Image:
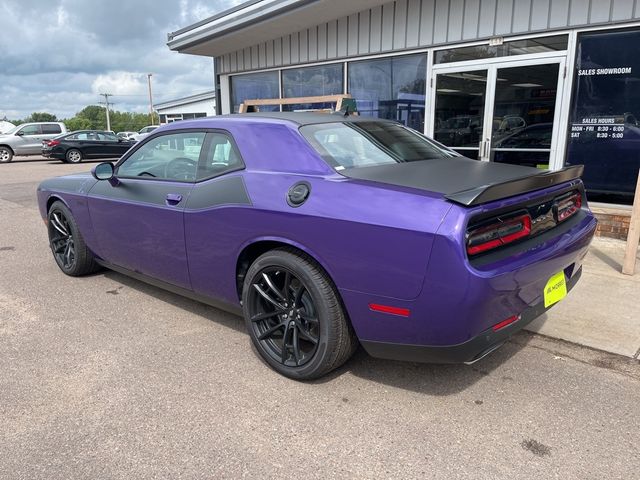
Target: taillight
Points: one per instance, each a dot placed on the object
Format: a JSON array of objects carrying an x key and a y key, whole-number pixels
[
  {"x": 501, "y": 232},
  {"x": 568, "y": 206},
  {"x": 52, "y": 143}
]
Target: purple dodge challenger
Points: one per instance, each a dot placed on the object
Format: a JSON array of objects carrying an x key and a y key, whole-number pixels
[{"x": 326, "y": 231}]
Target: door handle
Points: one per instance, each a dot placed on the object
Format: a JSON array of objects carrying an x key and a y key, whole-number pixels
[{"x": 173, "y": 198}]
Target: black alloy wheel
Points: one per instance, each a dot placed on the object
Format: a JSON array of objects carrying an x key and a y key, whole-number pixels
[
  {"x": 285, "y": 318},
  {"x": 67, "y": 244},
  {"x": 294, "y": 315},
  {"x": 61, "y": 240}
]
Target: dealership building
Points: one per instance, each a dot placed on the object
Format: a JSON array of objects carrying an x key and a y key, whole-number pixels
[
  {"x": 187, "y": 108},
  {"x": 544, "y": 83}
]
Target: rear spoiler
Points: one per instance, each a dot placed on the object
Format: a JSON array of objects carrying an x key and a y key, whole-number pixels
[{"x": 497, "y": 191}]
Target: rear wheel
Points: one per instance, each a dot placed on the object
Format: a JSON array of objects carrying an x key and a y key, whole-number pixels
[
  {"x": 6, "y": 155},
  {"x": 66, "y": 242},
  {"x": 73, "y": 156},
  {"x": 294, "y": 316}
]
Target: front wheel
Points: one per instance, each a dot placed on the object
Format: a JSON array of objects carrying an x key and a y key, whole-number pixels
[
  {"x": 66, "y": 242},
  {"x": 73, "y": 156},
  {"x": 294, "y": 316},
  {"x": 6, "y": 155}
]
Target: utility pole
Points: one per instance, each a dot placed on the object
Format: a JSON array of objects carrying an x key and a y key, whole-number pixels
[
  {"x": 150, "y": 98},
  {"x": 106, "y": 103}
]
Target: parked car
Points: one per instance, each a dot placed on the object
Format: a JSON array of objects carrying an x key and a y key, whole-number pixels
[
  {"x": 126, "y": 134},
  {"x": 85, "y": 144},
  {"x": 26, "y": 139},
  {"x": 144, "y": 132},
  {"x": 325, "y": 230}
]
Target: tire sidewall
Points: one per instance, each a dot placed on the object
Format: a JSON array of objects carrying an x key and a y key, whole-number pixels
[{"x": 316, "y": 366}]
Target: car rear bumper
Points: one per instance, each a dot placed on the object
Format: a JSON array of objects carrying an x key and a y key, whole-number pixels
[{"x": 468, "y": 352}]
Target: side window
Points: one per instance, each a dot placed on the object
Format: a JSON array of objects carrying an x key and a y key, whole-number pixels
[
  {"x": 168, "y": 157},
  {"x": 107, "y": 137},
  {"x": 221, "y": 157},
  {"x": 31, "y": 130},
  {"x": 51, "y": 128}
]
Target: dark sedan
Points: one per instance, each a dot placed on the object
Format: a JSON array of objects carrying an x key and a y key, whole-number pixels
[{"x": 85, "y": 144}]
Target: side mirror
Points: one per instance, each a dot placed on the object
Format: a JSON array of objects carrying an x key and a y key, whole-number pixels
[
  {"x": 20, "y": 133},
  {"x": 103, "y": 171}
]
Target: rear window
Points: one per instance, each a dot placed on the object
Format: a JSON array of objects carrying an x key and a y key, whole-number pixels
[
  {"x": 51, "y": 128},
  {"x": 363, "y": 144}
]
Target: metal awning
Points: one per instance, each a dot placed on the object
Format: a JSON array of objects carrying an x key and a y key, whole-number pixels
[{"x": 257, "y": 21}]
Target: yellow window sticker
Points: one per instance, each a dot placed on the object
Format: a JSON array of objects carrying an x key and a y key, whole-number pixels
[{"x": 555, "y": 289}]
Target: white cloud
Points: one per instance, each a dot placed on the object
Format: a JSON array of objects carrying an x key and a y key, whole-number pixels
[
  {"x": 119, "y": 83},
  {"x": 60, "y": 62}
]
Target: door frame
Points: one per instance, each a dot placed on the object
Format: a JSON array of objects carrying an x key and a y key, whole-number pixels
[{"x": 492, "y": 65}]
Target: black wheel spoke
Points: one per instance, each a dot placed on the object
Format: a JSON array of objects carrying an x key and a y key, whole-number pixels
[
  {"x": 269, "y": 333},
  {"x": 298, "y": 296},
  {"x": 308, "y": 318},
  {"x": 305, "y": 334},
  {"x": 264, "y": 316},
  {"x": 272, "y": 287},
  {"x": 295, "y": 345},
  {"x": 267, "y": 297},
  {"x": 285, "y": 346},
  {"x": 287, "y": 286},
  {"x": 58, "y": 225}
]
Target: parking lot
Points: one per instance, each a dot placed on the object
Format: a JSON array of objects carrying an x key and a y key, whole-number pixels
[{"x": 107, "y": 377}]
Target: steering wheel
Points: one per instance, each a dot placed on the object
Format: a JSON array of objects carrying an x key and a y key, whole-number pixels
[{"x": 181, "y": 168}]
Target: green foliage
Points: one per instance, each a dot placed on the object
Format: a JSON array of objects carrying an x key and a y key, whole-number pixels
[
  {"x": 78, "y": 123},
  {"x": 41, "y": 117},
  {"x": 94, "y": 117}
]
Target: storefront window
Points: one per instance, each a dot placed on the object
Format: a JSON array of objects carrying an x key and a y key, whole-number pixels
[
  {"x": 311, "y": 82},
  {"x": 604, "y": 130},
  {"x": 391, "y": 88},
  {"x": 254, "y": 86}
]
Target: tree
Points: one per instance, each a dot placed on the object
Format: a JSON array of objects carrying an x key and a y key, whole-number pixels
[
  {"x": 41, "y": 117},
  {"x": 78, "y": 123}
]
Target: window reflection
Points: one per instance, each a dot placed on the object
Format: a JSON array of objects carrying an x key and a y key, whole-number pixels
[
  {"x": 253, "y": 86},
  {"x": 311, "y": 82},
  {"x": 391, "y": 88}
]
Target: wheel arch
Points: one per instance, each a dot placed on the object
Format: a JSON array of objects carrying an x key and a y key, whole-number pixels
[
  {"x": 251, "y": 250},
  {"x": 55, "y": 198},
  {"x": 8, "y": 146}
]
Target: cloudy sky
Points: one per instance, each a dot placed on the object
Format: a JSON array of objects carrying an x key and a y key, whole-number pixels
[{"x": 58, "y": 55}]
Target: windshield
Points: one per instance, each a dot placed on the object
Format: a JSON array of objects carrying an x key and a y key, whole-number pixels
[{"x": 365, "y": 144}]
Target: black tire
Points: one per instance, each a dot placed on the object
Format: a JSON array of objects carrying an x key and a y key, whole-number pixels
[
  {"x": 73, "y": 155},
  {"x": 6, "y": 155},
  {"x": 66, "y": 242},
  {"x": 307, "y": 308}
]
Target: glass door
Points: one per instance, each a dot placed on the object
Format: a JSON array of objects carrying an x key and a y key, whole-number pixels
[
  {"x": 459, "y": 117},
  {"x": 506, "y": 112},
  {"x": 524, "y": 110}
]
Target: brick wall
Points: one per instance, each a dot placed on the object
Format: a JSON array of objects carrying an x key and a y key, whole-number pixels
[{"x": 612, "y": 223}]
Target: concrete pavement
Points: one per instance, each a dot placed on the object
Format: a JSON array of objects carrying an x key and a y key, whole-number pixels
[{"x": 603, "y": 310}]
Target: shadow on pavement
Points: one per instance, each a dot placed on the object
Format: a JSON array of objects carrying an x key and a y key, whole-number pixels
[{"x": 428, "y": 379}]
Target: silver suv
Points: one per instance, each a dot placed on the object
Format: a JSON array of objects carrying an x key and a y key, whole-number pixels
[{"x": 26, "y": 139}]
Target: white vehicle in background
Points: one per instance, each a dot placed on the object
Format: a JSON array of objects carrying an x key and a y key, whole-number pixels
[
  {"x": 6, "y": 126},
  {"x": 127, "y": 135},
  {"x": 144, "y": 132}
]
